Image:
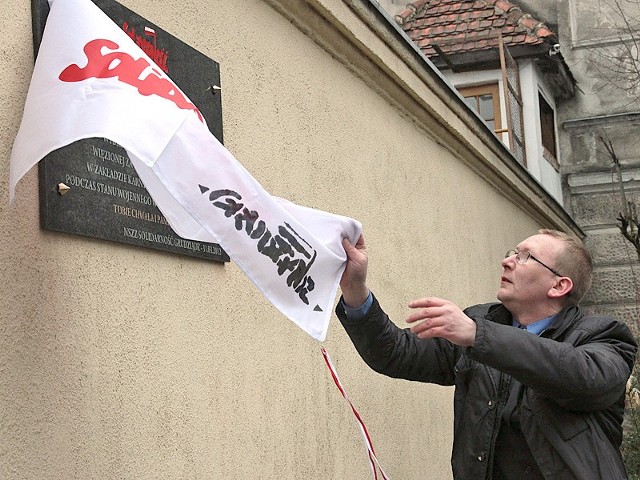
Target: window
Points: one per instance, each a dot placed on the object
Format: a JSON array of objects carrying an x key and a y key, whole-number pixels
[
  {"x": 548, "y": 129},
  {"x": 485, "y": 99}
]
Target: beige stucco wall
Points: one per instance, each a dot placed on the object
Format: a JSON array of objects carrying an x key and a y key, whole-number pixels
[{"x": 119, "y": 362}]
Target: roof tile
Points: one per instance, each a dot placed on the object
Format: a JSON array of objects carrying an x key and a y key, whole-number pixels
[{"x": 431, "y": 22}]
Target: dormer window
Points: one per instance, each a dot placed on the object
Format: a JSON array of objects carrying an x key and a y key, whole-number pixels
[
  {"x": 485, "y": 100},
  {"x": 548, "y": 131}
]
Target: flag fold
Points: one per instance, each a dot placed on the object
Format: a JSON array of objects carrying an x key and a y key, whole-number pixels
[{"x": 91, "y": 80}]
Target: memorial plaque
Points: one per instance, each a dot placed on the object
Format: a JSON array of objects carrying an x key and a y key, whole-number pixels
[{"x": 90, "y": 187}]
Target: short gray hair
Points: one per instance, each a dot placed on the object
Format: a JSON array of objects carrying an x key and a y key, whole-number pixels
[{"x": 575, "y": 262}]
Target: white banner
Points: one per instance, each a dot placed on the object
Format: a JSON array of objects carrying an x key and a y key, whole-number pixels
[{"x": 91, "y": 80}]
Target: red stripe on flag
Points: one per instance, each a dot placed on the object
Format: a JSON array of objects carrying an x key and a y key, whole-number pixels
[{"x": 373, "y": 460}]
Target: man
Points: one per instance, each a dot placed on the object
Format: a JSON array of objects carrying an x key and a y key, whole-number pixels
[{"x": 539, "y": 384}]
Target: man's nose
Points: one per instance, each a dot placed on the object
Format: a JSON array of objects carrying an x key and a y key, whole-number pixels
[{"x": 508, "y": 262}]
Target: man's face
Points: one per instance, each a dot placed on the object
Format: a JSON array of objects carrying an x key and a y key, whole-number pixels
[{"x": 524, "y": 286}]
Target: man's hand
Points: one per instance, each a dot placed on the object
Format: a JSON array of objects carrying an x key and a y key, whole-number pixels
[
  {"x": 443, "y": 319},
  {"x": 354, "y": 279}
]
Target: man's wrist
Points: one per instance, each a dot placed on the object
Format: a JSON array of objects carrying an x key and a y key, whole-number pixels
[
  {"x": 354, "y": 296},
  {"x": 359, "y": 311}
]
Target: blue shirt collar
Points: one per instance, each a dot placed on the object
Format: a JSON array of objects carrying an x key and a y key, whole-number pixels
[{"x": 536, "y": 327}]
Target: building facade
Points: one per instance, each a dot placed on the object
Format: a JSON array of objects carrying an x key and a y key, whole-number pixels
[
  {"x": 593, "y": 125},
  {"x": 605, "y": 110}
]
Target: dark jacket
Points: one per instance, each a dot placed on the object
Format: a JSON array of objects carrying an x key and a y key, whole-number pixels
[{"x": 573, "y": 375}]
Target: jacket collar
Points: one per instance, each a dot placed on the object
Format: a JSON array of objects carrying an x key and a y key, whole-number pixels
[{"x": 566, "y": 317}]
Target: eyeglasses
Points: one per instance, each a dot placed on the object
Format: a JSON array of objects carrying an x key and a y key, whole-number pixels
[{"x": 522, "y": 257}]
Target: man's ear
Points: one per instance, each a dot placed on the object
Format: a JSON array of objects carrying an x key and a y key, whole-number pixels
[{"x": 561, "y": 288}]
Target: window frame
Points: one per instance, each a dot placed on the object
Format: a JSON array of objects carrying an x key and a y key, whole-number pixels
[
  {"x": 477, "y": 91},
  {"x": 548, "y": 138}
]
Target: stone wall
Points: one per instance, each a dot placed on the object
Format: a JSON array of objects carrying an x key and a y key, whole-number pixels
[{"x": 601, "y": 110}]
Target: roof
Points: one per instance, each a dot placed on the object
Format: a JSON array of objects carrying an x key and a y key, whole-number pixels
[
  {"x": 455, "y": 26},
  {"x": 463, "y": 35}
]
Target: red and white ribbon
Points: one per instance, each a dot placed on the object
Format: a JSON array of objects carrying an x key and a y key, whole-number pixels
[{"x": 373, "y": 460}]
